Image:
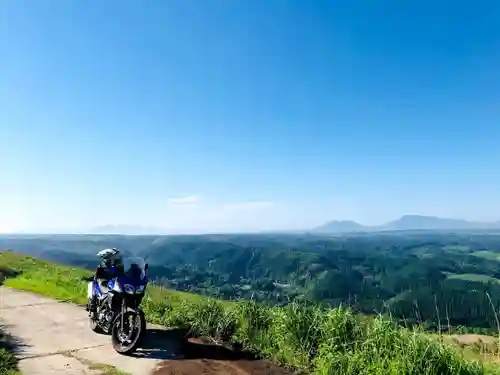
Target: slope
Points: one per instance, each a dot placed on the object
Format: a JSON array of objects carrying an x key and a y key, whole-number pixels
[{"x": 306, "y": 338}]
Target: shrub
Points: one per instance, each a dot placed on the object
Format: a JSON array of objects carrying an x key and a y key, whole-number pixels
[{"x": 308, "y": 338}]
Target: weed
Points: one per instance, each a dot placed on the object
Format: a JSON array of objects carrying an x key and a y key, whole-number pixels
[{"x": 308, "y": 338}]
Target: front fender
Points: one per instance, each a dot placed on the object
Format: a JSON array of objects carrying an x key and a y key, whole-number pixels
[{"x": 90, "y": 289}]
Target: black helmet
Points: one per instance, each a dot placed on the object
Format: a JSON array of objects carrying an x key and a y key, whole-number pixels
[{"x": 110, "y": 257}]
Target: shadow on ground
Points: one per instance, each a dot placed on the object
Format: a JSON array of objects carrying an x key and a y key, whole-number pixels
[
  {"x": 10, "y": 347},
  {"x": 182, "y": 355},
  {"x": 175, "y": 344},
  {"x": 162, "y": 344}
]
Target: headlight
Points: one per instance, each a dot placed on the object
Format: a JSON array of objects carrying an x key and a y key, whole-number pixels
[
  {"x": 140, "y": 288},
  {"x": 129, "y": 289}
]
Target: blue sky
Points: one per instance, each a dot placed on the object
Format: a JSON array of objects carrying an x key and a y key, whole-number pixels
[{"x": 201, "y": 116}]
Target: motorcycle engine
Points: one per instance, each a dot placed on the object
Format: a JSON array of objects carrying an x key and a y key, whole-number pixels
[
  {"x": 105, "y": 314},
  {"x": 109, "y": 316},
  {"x": 105, "y": 318}
]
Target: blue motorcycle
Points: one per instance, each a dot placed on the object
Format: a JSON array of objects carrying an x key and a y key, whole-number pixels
[{"x": 118, "y": 302}]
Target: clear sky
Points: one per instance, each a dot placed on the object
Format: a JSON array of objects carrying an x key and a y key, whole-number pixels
[{"x": 247, "y": 115}]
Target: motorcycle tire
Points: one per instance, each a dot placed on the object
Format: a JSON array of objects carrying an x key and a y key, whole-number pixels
[
  {"x": 94, "y": 326},
  {"x": 118, "y": 345},
  {"x": 143, "y": 324}
]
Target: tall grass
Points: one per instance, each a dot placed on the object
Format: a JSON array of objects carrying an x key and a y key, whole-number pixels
[
  {"x": 8, "y": 362},
  {"x": 310, "y": 339}
]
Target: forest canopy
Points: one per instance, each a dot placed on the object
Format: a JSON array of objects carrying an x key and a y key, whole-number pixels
[{"x": 437, "y": 278}]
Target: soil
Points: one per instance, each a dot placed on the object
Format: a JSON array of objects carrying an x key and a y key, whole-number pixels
[
  {"x": 470, "y": 338},
  {"x": 199, "y": 356}
]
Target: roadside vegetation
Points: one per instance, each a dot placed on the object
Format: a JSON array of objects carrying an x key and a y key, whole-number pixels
[
  {"x": 8, "y": 361},
  {"x": 428, "y": 278},
  {"x": 311, "y": 339}
]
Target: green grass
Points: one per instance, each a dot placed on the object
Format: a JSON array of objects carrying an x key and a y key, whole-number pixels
[
  {"x": 456, "y": 248},
  {"x": 106, "y": 369},
  {"x": 101, "y": 368},
  {"x": 473, "y": 277},
  {"x": 487, "y": 255},
  {"x": 8, "y": 362},
  {"x": 307, "y": 338}
]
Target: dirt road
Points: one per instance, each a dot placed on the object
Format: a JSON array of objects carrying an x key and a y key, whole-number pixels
[{"x": 55, "y": 338}]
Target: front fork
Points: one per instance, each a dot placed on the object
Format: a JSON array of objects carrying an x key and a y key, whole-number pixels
[
  {"x": 127, "y": 336},
  {"x": 123, "y": 317}
]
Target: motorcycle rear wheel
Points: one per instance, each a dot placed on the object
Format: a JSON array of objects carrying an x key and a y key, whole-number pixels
[{"x": 94, "y": 326}]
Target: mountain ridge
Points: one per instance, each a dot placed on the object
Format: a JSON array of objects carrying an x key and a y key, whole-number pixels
[
  {"x": 405, "y": 222},
  {"x": 130, "y": 229}
]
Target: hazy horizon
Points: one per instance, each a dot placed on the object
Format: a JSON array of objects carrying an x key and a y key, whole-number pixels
[
  {"x": 247, "y": 116},
  {"x": 146, "y": 230}
]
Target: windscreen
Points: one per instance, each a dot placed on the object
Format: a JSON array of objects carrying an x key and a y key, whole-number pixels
[{"x": 134, "y": 268}]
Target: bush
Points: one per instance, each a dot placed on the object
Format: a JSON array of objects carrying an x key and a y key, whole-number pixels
[
  {"x": 8, "y": 362},
  {"x": 323, "y": 341},
  {"x": 308, "y": 338}
]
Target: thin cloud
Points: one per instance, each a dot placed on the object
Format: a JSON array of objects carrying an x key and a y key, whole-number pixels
[
  {"x": 248, "y": 206},
  {"x": 182, "y": 201}
]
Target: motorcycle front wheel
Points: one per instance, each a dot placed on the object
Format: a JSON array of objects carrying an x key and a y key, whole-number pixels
[{"x": 126, "y": 339}]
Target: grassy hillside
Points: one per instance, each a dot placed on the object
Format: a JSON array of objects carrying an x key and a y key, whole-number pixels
[
  {"x": 420, "y": 277},
  {"x": 487, "y": 255},
  {"x": 474, "y": 277},
  {"x": 311, "y": 339}
]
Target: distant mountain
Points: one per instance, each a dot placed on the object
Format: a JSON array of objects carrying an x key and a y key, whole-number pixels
[
  {"x": 126, "y": 229},
  {"x": 406, "y": 222},
  {"x": 342, "y": 226},
  {"x": 412, "y": 222}
]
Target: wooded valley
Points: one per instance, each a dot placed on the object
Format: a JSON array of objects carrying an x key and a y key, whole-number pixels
[{"x": 443, "y": 280}]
